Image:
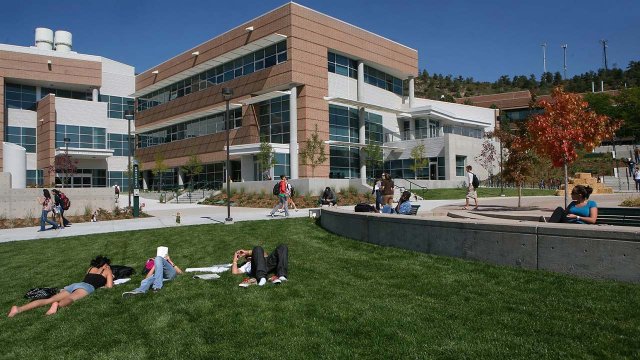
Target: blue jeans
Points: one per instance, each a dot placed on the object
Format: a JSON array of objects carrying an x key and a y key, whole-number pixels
[
  {"x": 163, "y": 271},
  {"x": 45, "y": 219}
]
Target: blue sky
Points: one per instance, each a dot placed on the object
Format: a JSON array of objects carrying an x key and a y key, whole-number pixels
[{"x": 479, "y": 39}]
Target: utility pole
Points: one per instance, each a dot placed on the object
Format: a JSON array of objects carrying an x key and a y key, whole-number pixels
[
  {"x": 604, "y": 53},
  {"x": 564, "y": 49},
  {"x": 544, "y": 58}
]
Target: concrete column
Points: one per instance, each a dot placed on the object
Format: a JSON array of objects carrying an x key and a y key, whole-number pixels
[
  {"x": 38, "y": 93},
  {"x": 360, "y": 81},
  {"x": 246, "y": 168},
  {"x": 95, "y": 95},
  {"x": 363, "y": 141},
  {"x": 411, "y": 91},
  {"x": 293, "y": 132},
  {"x": 412, "y": 129}
]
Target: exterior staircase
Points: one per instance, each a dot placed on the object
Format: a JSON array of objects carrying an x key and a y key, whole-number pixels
[{"x": 193, "y": 197}]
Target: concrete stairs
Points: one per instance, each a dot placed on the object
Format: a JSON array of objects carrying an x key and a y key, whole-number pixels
[{"x": 192, "y": 197}]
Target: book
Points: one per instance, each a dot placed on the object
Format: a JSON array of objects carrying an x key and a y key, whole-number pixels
[{"x": 162, "y": 251}]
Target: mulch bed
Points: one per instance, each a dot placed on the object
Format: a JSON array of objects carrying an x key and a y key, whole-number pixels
[{"x": 102, "y": 215}]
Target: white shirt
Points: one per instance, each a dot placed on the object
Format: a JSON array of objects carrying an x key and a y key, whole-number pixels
[
  {"x": 246, "y": 268},
  {"x": 470, "y": 178},
  {"x": 637, "y": 175}
]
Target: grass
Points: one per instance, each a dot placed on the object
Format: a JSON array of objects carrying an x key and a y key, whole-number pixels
[
  {"x": 460, "y": 193},
  {"x": 344, "y": 300},
  {"x": 633, "y": 201}
]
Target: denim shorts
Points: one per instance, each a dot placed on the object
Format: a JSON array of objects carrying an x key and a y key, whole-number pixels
[{"x": 81, "y": 285}]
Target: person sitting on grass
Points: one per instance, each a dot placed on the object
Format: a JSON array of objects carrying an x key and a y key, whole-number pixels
[
  {"x": 160, "y": 269},
  {"x": 99, "y": 275},
  {"x": 404, "y": 205},
  {"x": 580, "y": 211},
  {"x": 258, "y": 264}
]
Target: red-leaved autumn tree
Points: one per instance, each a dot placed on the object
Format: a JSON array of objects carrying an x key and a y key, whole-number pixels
[
  {"x": 567, "y": 125},
  {"x": 519, "y": 161}
]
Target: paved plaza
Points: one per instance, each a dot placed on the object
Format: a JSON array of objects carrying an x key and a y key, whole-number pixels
[{"x": 164, "y": 215}]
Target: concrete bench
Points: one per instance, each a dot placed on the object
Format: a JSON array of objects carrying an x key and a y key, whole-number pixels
[{"x": 619, "y": 216}]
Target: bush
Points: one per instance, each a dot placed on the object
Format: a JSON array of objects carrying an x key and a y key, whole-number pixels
[{"x": 631, "y": 202}]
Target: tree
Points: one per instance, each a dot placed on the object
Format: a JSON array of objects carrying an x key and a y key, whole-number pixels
[
  {"x": 266, "y": 156},
  {"x": 419, "y": 159},
  {"x": 193, "y": 167},
  {"x": 313, "y": 153},
  {"x": 159, "y": 168},
  {"x": 374, "y": 156},
  {"x": 487, "y": 157},
  {"x": 518, "y": 159},
  {"x": 63, "y": 164},
  {"x": 567, "y": 125}
]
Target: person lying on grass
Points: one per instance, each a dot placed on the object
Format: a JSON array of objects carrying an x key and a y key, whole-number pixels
[
  {"x": 99, "y": 275},
  {"x": 160, "y": 269},
  {"x": 258, "y": 264}
]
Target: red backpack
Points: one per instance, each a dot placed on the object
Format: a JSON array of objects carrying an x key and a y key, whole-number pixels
[{"x": 66, "y": 203}]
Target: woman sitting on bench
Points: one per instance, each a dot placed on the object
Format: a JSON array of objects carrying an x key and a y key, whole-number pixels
[
  {"x": 404, "y": 205},
  {"x": 580, "y": 211}
]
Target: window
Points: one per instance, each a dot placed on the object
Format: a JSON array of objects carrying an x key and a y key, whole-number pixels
[
  {"x": 118, "y": 143},
  {"x": 25, "y": 137},
  {"x": 18, "y": 96},
  {"x": 245, "y": 65},
  {"x": 463, "y": 131},
  {"x": 461, "y": 162},
  {"x": 199, "y": 127},
  {"x": 35, "y": 177},
  {"x": 342, "y": 65},
  {"x": 344, "y": 162},
  {"x": 282, "y": 165},
  {"x": 69, "y": 94},
  {"x": 117, "y": 105},
  {"x": 81, "y": 137},
  {"x": 274, "y": 120},
  {"x": 402, "y": 169},
  {"x": 382, "y": 80}
]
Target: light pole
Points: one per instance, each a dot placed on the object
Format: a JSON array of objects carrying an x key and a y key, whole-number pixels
[
  {"x": 66, "y": 143},
  {"x": 128, "y": 114},
  {"x": 227, "y": 93}
]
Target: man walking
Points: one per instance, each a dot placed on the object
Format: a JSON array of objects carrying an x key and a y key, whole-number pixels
[
  {"x": 471, "y": 190},
  {"x": 282, "y": 197}
]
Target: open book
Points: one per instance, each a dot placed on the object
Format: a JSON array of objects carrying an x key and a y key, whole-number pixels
[{"x": 162, "y": 251}]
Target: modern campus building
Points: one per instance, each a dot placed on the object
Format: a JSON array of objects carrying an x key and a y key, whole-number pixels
[
  {"x": 57, "y": 101},
  {"x": 294, "y": 70}
]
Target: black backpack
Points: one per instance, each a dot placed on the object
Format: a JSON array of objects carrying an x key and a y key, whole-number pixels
[
  {"x": 276, "y": 189},
  {"x": 40, "y": 293},
  {"x": 475, "y": 182},
  {"x": 362, "y": 207},
  {"x": 122, "y": 271}
]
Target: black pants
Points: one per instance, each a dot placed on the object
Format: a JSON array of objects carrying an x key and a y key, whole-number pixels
[
  {"x": 277, "y": 261},
  {"x": 558, "y": 216},
  {"x": 65, "y": 222}
]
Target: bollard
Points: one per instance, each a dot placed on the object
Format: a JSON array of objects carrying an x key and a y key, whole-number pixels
[{"x": 178, "y": 218}]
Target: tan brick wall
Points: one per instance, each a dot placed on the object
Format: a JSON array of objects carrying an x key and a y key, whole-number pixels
[
  {"x": 34, "y": 67},
  {"x": 2, "y": 122},
  {"x": 46, "y": 136},
  {"x": 310, "y": 36}
]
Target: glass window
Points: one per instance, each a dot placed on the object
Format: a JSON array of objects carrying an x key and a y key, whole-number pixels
[
  {"x": 258, "y": 60},
  {"x": 342, "y": 65},
  {"x": 461, "y": 162}
]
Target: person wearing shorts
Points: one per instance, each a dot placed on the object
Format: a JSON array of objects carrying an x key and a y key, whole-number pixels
[{"x": 99, "y": 275}]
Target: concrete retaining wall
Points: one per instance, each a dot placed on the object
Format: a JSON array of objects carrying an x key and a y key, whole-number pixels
[
  {"x": 20, "y": 203},
  {"x": 600, "y": 252},
  {"x": 313, "y": 186}
]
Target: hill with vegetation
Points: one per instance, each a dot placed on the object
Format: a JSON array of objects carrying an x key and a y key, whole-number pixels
[{"x": 448, "y": 87}]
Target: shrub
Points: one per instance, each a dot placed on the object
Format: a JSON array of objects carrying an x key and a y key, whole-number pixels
[
  {"x": 631, "y": 202},
  {"x": 88, "y": 211},
  {"x": 352, "y": 190}
]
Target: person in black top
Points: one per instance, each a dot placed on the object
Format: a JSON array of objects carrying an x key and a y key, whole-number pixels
[
  {"x": 98, "y": 275},
  {"x": 60, "y": 208}
]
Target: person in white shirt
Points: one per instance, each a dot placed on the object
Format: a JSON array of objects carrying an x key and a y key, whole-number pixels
[
  {"x": 636, "y": 177},
  {"x": 471, "y": 191},
  {"x": 258, "y": 264}
]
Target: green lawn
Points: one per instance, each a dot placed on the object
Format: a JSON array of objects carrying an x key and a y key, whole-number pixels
[
  {"x": 460, "y": 193},
  {"x": 344, "y": 300}
]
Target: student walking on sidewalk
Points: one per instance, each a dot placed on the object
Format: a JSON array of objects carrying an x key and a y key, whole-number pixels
[{"x": 282, "y": 197}]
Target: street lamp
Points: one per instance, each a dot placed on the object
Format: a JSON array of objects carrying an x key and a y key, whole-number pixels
[
  {"x": 66, "y": 143},
  {"x": 227, "y": 93},
  {"x": 128, "y": 114}
]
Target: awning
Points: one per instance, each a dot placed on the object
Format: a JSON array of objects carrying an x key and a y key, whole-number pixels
[
  {"x": 260, "y": 98},
  {"x": 82, "y": 153},
  {"x": 362, "y": 104},
  {"x": 345, "y": 143},
  {"x": 184, "y": 118},
  {"x": 228, "y": 56}
]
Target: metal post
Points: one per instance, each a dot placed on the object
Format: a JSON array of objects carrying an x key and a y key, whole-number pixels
[
  {"x": 66, "y": 142},
  {"x": 129, "y": 116},
  {"x": 227, "y": 93}
]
